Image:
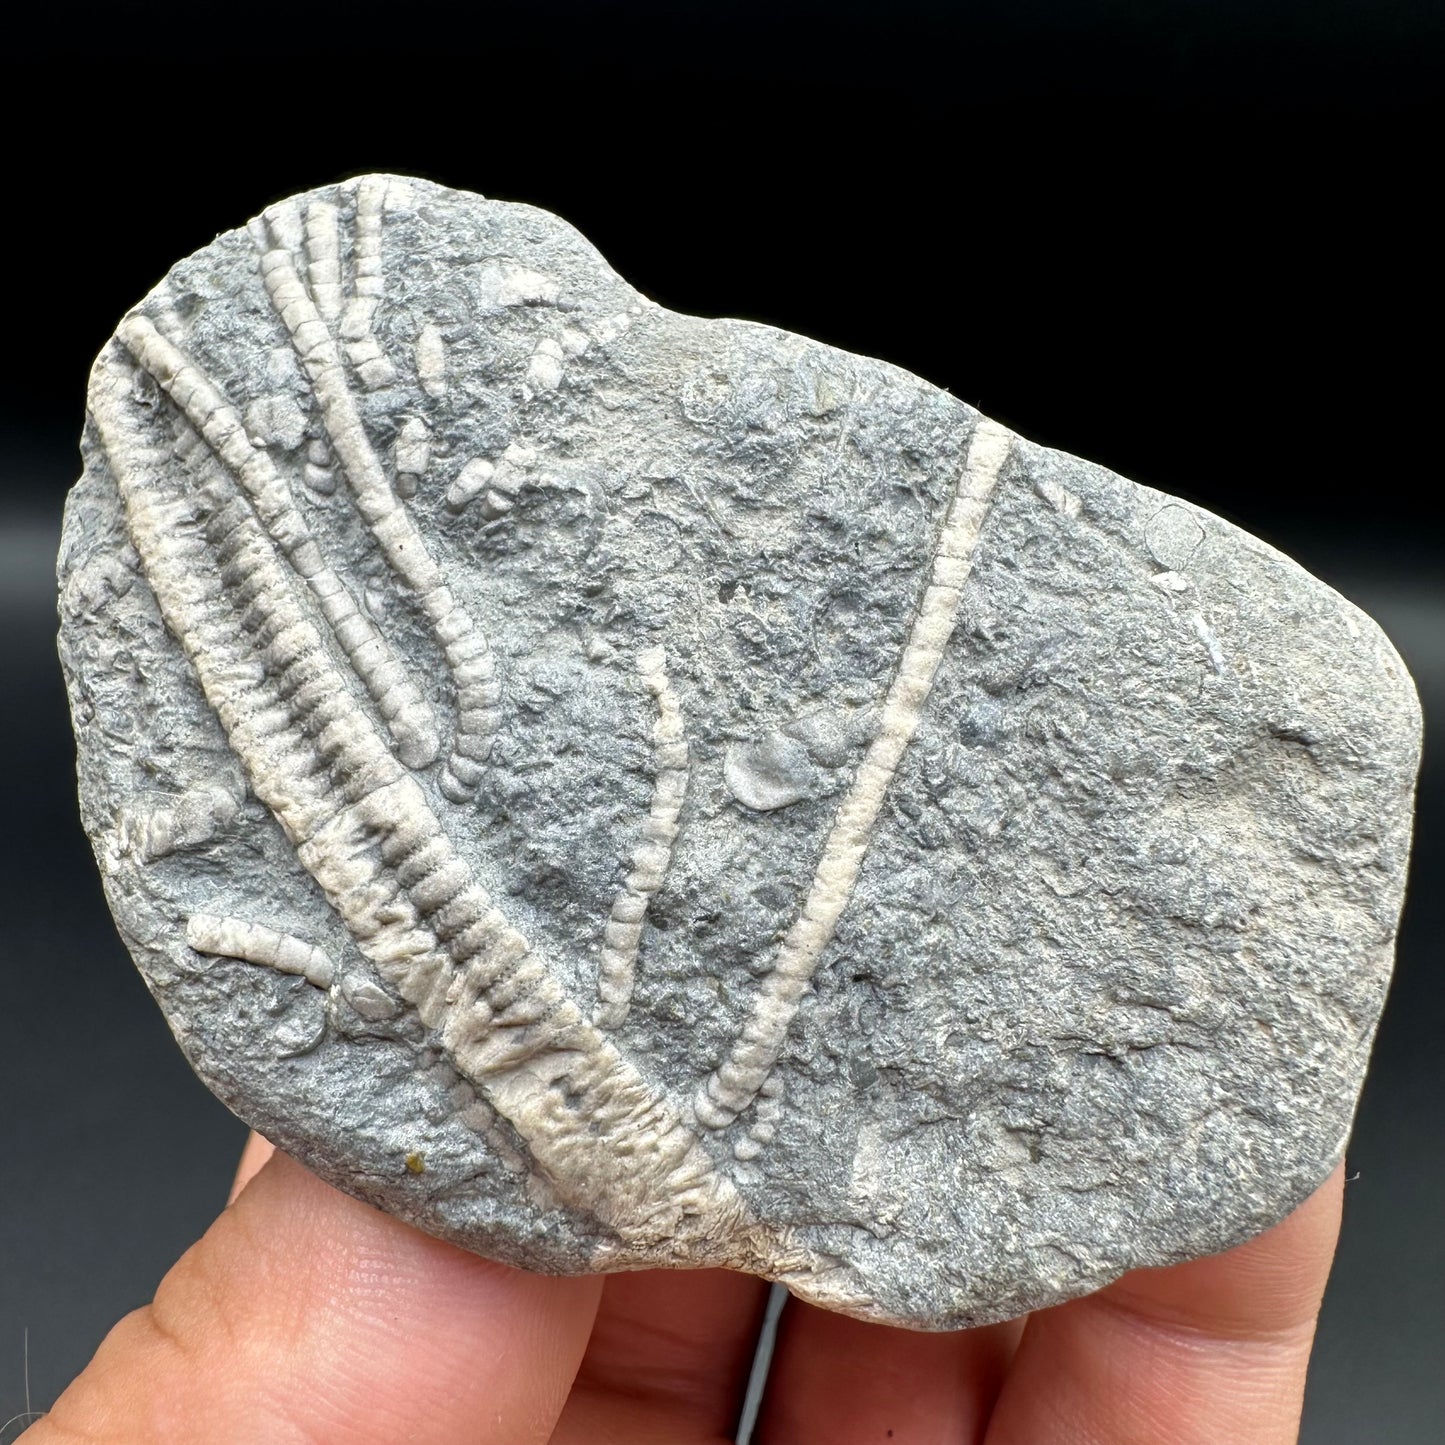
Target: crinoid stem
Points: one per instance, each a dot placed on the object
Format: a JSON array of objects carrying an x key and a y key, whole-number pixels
[
  {"x": 411, "y": 455},
  {"x": 617, "y": 966},
  {"x": 323, "y": 258},
  {"x": 370, "y": 204},
  {"x": 320, "y": 473},
  {"x": 607, "y": 1141},
  {"x": 474, "y": 477},
  {"x": 734, "y": 1084},
  {"x": 467, "y": 653},
  {"x": 431, "y": 360},
  {"x": 220, "y": 426},
  {"x": 357, "y": 338},
  {"x": 256, "y": 943},
  {"x": 190, "y": 820}
]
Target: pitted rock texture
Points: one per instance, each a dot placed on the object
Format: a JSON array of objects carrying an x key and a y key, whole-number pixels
[{"x": 620, "y": 789}]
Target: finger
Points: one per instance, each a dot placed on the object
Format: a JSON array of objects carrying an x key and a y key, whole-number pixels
[
  {"x": 1202, "y": 1352},
  {"x": 840, "y": 1381},
  {"x": 253, "y": 1156},
  {"x": 303, "y": 1315},
  {"x": 668, "y": 1361}
]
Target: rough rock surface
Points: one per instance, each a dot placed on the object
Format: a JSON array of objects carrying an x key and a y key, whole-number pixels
[{"x": 615, "y": 788}]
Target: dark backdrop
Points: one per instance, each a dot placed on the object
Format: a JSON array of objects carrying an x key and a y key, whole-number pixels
[{"x": 1187, "y": 241}]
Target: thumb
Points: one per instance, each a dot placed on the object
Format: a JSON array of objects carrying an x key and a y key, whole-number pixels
[{"x": 303, "y": 1315}]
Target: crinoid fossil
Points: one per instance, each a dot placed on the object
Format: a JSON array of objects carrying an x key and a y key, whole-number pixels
[{"x": 618, "y": 789}]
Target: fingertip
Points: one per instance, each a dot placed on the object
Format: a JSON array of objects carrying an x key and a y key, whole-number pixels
[
  {"x": 1269, "y": 1285},
  {"x": 304, "y": 1314},
  {"x": 834, "y": 1378},
  {"x": 255, "y": 1153},
  {"x": 1214, "y": 1349}
]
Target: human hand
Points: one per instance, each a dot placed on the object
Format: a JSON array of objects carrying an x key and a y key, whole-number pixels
[{"x": 303, "y": 1317}]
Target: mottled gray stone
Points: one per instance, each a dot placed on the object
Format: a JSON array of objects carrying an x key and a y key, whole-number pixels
[{"x": 615, "y": 788}]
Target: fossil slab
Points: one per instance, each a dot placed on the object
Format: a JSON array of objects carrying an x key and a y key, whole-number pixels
[{"x": 620, "y": 789}]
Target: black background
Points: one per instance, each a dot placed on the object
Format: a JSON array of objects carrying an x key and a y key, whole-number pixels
[{"x": 1192, "y": 242}]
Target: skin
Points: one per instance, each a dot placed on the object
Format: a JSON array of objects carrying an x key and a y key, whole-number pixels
[{"x": 303, "y": 1317}]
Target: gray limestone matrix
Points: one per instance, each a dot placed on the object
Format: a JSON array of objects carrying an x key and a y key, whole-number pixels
[{"x": 617, "y": 789}]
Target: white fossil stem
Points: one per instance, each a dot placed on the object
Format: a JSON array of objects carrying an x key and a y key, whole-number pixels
[
  {"x": 370, "y": 204},
  {"x": 190, "y": 820},
  {"x": 735, "y": 1082},
  {"x": 363, "y": 351},
  {"x": 475, "y": 476},
  {"x": 431, "y": 360},
  {"x": 607, "y": 1140},
  {"x": 283, "y": 221},
  {"x": 544, "y": 370},
  {"x": 763, "y": 1128},
  {"x": 219, "y": 424},
  {"x": 323, "y": 257},
  {"x": 256, "y": 943},
  {"x": 320, "y": 473},
  {"x": 411, "y": 455},
  {"x": 617, "y": 966},
  {"x": 468, "y": 655}
]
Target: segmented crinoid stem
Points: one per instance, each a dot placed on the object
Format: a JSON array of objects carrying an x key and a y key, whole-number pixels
[
  {"x": 607, "y": 1141},
  {"x": 320, "y": 473},
  {"x": 474, "y": 477},
  {"x": 323, "y": 258},
  {"x": 219, "y": 425},
  {"x": 256, "y": 943},
  {"x": 617, "y": 966},
  {"x": 735, "y": 1082},
  {"x": 411, "y": 455},
  {"x": 544, "y": 369},
  {"x": 763, "y": 1126},
  {"x": 431, "y": 360},
  {"x": 366, "y": 264},
  {"x": 465, "y": 648},
  {"x": 190, "y": 820},
  {"x": 363, "y": 351},
  {"x": 497, "y": 483}
]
